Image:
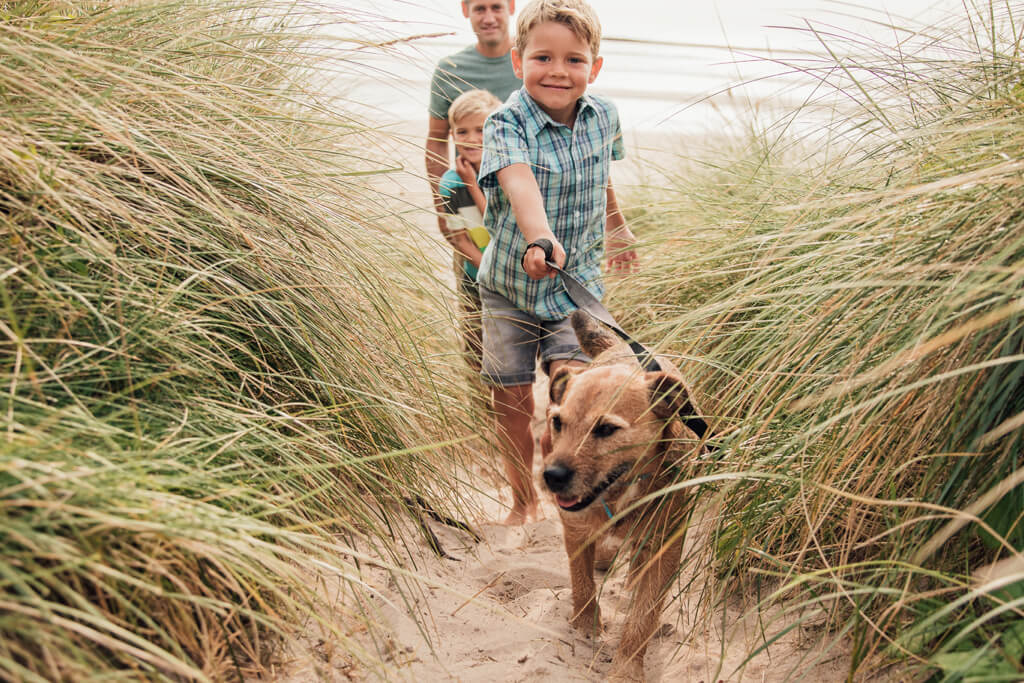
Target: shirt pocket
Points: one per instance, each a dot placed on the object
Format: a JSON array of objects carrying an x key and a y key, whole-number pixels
[{"x": 591, "y": 173}]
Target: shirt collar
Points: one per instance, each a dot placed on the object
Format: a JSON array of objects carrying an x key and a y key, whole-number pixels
[{"x": 538, "y": 119}]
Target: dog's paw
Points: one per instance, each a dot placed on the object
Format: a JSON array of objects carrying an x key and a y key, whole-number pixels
[{"x": 587, "y": 623}]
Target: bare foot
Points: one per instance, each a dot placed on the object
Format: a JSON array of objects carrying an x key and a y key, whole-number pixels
[{"x": 521, "y": 514}]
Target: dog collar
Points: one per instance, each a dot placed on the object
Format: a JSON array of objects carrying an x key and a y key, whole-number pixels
[{"x": 604, "y": 503}]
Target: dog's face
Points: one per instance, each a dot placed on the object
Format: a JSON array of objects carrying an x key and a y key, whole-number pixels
[{"x": 603, "y": 424}]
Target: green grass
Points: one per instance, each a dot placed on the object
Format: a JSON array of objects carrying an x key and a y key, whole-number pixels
[
  {"x": 218, "y": 372},
  {"x": 853, "y": 317}
]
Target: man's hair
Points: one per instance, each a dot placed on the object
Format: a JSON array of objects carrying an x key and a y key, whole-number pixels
[
  {"x": 575, "y": 14},
  {"x": 472, "y": 102}
]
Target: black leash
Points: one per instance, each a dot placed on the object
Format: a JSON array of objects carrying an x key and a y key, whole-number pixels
[
  {"x": 583, "y": 299},
  {"x": 586, "y": 301}
]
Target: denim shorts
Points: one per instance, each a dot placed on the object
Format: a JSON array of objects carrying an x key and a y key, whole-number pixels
[{"x": 513, "y": 339}]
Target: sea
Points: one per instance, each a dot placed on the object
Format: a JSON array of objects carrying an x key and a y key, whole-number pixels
[{"x": 671, "y": 67}]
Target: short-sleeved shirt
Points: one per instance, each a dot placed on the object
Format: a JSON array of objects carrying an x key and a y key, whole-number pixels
[
  {"x": 462, "y": 213},
  {"x": 572, "y": 167},
  {"x": 466, "y": 70}
]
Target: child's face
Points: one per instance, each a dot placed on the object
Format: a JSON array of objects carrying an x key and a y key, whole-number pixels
[
  {"x": 468, "y": 134},
  {"x": 556, "y": 67}
]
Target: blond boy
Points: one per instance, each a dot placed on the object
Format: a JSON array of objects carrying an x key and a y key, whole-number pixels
[
  {"x": 463, "y": 208},
  {"x": 545, "y": 171}
]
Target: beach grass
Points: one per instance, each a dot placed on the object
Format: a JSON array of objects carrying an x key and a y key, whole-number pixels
[
  {"x": 223, "y": 382},
  {"x": 227, "y": 381},
  {"x": 847, "y": 296}
]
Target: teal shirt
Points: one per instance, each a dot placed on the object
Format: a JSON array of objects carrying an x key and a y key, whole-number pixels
[
  {"x": 461, "y": 211},
  {"x": 466, "y": 70}
]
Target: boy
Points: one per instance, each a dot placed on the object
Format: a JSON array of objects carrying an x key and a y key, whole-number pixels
[
  {"x": 463, "y": 204},
  {"x": 545, "y": 172}
]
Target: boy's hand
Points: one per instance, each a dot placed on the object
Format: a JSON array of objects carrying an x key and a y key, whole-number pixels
[
  {"x": 533, "y": 260},
  {"x": 465, "y": 170},
  {"x": 622, "y": 256}
]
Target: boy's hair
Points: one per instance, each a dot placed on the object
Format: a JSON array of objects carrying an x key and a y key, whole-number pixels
[
  {"x": 472, "y": 102},
  {"x": 577, "y": 15}
]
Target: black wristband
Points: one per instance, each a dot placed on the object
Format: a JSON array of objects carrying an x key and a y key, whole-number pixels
[{"x": 545, "y": 244}]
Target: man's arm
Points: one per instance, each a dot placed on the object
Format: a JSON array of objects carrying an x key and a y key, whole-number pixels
[
  {"x": 620, "y": 242},
  {"x": 520, "y": 186},
  {"x": 436, "y": 160}
]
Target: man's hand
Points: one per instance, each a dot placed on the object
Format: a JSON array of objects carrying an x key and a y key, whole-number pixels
[
  {"x": 621, "y": 251},
  {"x": 533, "y": 260}
]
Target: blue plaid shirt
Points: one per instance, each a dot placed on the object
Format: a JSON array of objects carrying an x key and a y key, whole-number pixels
[{"x": 572, "y": 168}]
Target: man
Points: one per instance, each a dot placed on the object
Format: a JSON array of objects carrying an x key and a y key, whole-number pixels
[{"x": 485, "y": 65}]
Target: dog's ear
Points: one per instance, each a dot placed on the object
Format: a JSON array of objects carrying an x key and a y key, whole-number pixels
[
  {"x": 669, "y": 395},
  {"x": 591, "y": 334},
  {"x": 556, "y": 386}
]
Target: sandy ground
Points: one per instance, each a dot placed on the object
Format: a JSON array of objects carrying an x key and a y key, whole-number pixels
[{"x": 499, "y": 611}]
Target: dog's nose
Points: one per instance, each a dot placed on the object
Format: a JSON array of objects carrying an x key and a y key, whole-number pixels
[{"x": 557, "y": 477}]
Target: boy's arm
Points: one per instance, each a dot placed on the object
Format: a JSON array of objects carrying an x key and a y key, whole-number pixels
[
  {"x": 520, "y": 186},
  {"x": 620, "y": 243},
  {"x": 478, "y": 196},
  {"x": 468, "y": 173},
  {"x": 463, "y": 244},
  {"x": 454, "y": 233}
]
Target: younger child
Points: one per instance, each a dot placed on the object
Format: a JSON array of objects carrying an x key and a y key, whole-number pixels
[
  {"x": 546, "y": 172},
  {"x": 464, "y": 209}
]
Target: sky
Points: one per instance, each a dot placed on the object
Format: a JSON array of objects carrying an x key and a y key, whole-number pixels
[
  {"x": 662, "y": 82},
  {"x": 711, "y": 21}
]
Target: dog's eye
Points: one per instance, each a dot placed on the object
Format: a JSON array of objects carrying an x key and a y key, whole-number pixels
[
  {"x": 605, "y": 429},
  {"x": 556, "y": 423}
]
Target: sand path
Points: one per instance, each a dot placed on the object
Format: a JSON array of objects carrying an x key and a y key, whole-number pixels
[{"x": 498, "y": 610}]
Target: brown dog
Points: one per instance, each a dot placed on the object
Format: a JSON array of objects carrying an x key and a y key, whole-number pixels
[{"x": 613, "y": 437}]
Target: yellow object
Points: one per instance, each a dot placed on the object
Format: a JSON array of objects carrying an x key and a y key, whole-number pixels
[{"x": 481, "y": 238}]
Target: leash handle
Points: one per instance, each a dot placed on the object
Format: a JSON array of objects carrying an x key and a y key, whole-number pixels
[
  {"x": 549, "y": 252},
  {"x": 646, "y": 358}
]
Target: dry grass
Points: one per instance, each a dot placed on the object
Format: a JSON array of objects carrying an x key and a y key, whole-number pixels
[{"x": 217, "y": 371}]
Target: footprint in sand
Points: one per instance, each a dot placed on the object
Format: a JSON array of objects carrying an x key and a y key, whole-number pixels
[{"x": 521, "y": 581}]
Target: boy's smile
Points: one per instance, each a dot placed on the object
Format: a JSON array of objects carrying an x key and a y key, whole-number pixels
[{"x": 556, "y": 66}]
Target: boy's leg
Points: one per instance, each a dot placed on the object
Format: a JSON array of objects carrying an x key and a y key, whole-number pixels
[
  {"x": 510, "y": 340},
  {"x": 513, "y": 407}
]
